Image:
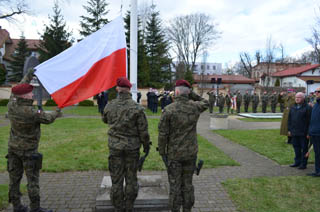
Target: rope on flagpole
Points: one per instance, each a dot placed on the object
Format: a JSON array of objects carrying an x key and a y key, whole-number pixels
[{"x": 121, "y": 7}]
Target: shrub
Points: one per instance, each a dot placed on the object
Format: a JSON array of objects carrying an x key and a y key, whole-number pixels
[
  {"x": 86, "y": 103},
  {"x": 4, "y": 102},
  {"x": 50, "y": 102}
]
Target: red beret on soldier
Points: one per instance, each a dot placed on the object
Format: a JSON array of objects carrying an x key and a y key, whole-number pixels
[
  {"x": 184, "y": 83},
  {"x": 22, "y": 89},
  {"x": 123, "y": 82}
]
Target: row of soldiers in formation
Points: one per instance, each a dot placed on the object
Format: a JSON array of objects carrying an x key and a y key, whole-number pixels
[{"x": 234, "y": 101}]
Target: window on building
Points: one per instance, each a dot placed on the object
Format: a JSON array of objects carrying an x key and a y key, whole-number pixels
[
  {"x": 290, "y": 84},
  {"x": 208, "y": 67},
  {"x": 214, "y": 67},
  {"x": 202, "y": 67}
]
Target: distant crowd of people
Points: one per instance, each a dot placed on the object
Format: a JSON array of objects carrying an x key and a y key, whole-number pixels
[{"x": 153, "y": 98}]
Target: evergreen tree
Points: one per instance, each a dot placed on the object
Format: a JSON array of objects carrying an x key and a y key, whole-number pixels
[
  {"x": 19, "y": 56},
  {"x": 55, "y": 38},
  {"x": 143, "y": 66},
  {"x": 157, "y": 52},
  {"x": 97, "y": 11},
  {"x": 3, "y": 74}
]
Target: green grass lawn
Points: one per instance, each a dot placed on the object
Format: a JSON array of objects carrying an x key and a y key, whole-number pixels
[
  {"x": 259, "y": 120},
  {"x": 4, "y": 195},
  {"x": 275, "y": 194},
  {"x": 3, "y": 110},
  {"x": 72, "y": 144},
  {"x": 266, "y": 142}
]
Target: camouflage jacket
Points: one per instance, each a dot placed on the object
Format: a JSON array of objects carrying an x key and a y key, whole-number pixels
[
  {"x": 255, "y": 99},
  {"x": 221, "y": 101},
  {"x": 239, "y": 98},
  {"x": 178, "y": 127},
  {"x": 212, "y": 96},
  {"x": 246, "y": 98},
  {"x": 25, "y": 122},
  {"x": 228, "y": 100},
  {"x": 265, "y": 98},
  {"x": 274, "y": 99},
  {"x": 128, "y": 123}
]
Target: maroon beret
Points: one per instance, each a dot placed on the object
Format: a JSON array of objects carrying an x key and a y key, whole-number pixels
[
  {"x": 123, "y": 82},
  {"x": 22, "y": 89},
  {"x": 290, "y": 90},
  {"x": 184, "y": 83}
]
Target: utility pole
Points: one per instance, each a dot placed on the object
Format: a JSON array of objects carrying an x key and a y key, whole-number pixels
[{"x": 134, "y": 49}]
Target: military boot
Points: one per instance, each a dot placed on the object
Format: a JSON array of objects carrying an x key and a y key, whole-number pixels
[
  {"x": 21, "y": 208},
  {"x": 41, "y": 210}
]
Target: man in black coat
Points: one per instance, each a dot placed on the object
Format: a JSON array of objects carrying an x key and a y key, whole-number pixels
[{"x": 298, "y": 126}]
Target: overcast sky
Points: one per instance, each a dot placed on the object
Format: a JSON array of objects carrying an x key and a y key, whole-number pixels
[{"x": 245, "y": 24}]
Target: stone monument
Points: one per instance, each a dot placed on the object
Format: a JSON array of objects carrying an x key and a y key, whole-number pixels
[{"x": 152, "y": 196}]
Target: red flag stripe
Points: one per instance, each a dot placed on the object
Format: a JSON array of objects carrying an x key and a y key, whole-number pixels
[{"x": 101, "y": 76}]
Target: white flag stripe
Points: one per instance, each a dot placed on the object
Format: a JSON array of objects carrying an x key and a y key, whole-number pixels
[{"x": 74, "y": 62}]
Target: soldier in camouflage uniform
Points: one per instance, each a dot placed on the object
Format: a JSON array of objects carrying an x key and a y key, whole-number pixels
[
  {"x": 246, "y": 99},
  {"x": 178, "y": 144},
  {"x": 265, "y": 100},
  {"x": 23, "y": 144},
  {"x": 255, "y": 102},
  {"x": 128, "y": 131},
  {"x": 274, "y": 101},
  {"x": 212, "y": 100},
  {"x": 228, "y": 102},
  {"x": 239, "y": 101},
  {"x": 220, "y": 103},
  {"x": 281, "y": 103}
]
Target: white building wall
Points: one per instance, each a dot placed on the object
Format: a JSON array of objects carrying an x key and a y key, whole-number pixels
[
  {"x": 292, "y": 81},
  {"x": 310, "y": 73},
  {"x": 205, "y": 68}
]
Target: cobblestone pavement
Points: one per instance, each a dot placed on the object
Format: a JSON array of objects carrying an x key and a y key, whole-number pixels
[{"x": 76, "y": 191}]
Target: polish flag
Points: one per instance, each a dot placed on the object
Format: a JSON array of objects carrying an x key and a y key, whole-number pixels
[{"x": 87, "y": 68}]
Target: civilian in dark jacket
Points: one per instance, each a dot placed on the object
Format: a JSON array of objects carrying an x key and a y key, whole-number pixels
[
  {"x": 298, "y": 124},
  {"x": 314, "y": 133}
]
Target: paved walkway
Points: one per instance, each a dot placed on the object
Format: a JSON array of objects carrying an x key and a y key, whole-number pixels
[{"x": 76, "y": 191}]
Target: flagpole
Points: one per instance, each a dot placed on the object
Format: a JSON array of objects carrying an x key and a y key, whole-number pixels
[{"x": 133, "y": 49}]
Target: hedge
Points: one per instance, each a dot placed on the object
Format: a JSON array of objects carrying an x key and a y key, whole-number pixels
[
  {"x": 50, "y": 102},
  {"x": 86, "y": 103}
]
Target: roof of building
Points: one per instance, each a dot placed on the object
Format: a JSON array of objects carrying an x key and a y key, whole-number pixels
[
  {"x": 32, "y": 44},
  {"x": 306, "y": 78},
  {"x": 4, "y": 36},
  {"x": 225, "y": 79},
  {"x": 295, "y": 71}
]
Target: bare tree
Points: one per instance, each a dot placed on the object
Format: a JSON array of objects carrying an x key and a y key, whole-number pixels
[
  {"x": 282, "y": 53},
  {"x": 11, "y": 8},
  {"x": 246, "y": 62},
  {"x": 314, "y": 40},
  {"x": 269, "y": 58},
  {"x": 190, "y": 36},
  {"x": 258, "y": 56}
]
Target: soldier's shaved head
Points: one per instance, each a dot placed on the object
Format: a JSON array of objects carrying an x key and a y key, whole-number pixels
[{"x": 182, "y": 90}]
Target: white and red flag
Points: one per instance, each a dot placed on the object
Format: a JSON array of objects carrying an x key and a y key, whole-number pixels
[{"x": 87, "y": 68}]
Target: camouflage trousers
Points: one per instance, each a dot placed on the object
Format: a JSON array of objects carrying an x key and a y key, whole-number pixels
[
  {"x": 246, "y": 106},
  {"x": 264, "y": 107},
  {"x": 17, "y": 163},
  {"x": 273, "y": 107},
  {"x": 254, "y": 107},
  {"x": 211, "y": 106},
  {"x": 123, "y": 165},
  {"x": 181, "y": 193}
]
